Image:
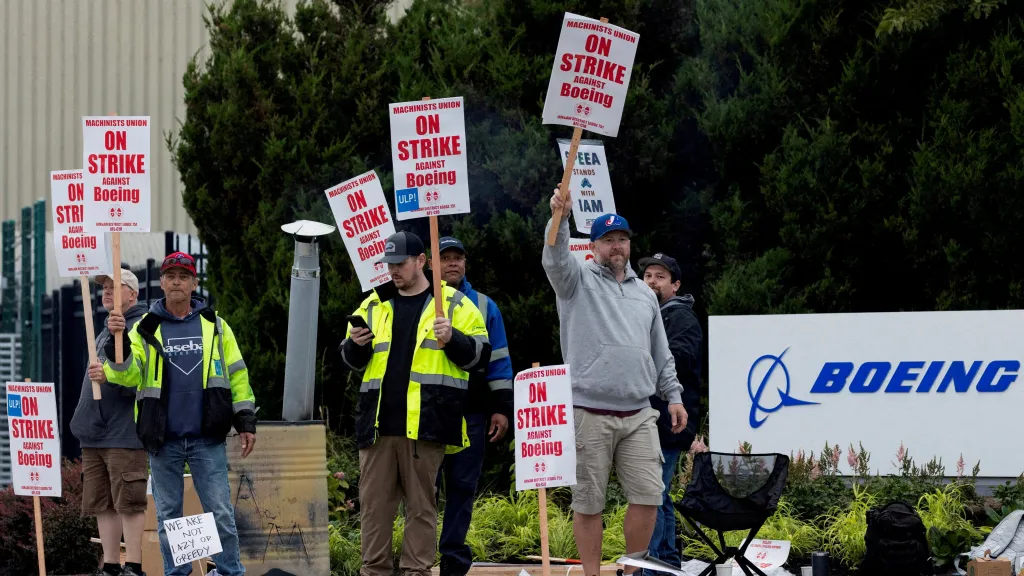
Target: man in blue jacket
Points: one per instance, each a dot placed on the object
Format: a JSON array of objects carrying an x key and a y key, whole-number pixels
[
  {"x": 488, "y": 412},
  {"x": 663, "y": 275}
]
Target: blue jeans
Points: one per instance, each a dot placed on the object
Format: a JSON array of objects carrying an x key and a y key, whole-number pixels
[
  {"x": 663, "y": 541},
  {"x": 461, "y": 472},
  {"x": 208, "y": 462}
]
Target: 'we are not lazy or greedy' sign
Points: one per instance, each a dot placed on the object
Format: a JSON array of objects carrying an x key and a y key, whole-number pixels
[
  {"x": 428, "y": 152},
  {"x": 192, "y": 538},
  {"x": 590, "y": 182},
  {"x": 116, "y": 173},
  {"x": 34, "y": 439},
  {"x": 364, "y": 222},
  {"x": 545, "y": 435},
  {"x": 590, "y": 75},
  {"x": 79, "y": 252}
]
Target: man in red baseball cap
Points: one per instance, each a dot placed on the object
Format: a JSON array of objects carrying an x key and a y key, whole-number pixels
[{"x": 192, "y": 386}]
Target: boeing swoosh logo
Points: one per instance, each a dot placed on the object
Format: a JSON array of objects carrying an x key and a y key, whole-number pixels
[{"x": 755, "y": 395}]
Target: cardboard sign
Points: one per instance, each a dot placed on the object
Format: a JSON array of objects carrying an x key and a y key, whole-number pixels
[
  {"x": 590, "y": 184},
  {"x": 364, "y": 222},
  {"x": 78, "y": 252},
  {"x": 545, "y": 436},
  {"x": 192, "y": 537},
  {"x": 590, "y": 75},
  {"x": 35, "y": 439},
  {"x": 580, "y": 249},
  {"x": 116, "y": 172},
  {"x": 428, "y": 150}
]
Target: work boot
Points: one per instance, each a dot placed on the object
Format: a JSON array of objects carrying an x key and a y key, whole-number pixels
[
  {"x": 130, "y": 571},
  {"x": 104, "y": 572}
]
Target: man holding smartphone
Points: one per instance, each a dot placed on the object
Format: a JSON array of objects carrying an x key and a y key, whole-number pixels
[{"x": 415, "y": 376}]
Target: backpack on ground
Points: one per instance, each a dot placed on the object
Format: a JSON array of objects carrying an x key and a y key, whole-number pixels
[{"x": 896, "y": 542}]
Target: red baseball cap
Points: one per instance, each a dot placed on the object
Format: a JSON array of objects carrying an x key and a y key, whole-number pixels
[{"x": 179, "y": 260}]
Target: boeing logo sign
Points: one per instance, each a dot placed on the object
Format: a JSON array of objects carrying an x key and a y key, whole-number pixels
[{"x": 769, "y": 377}]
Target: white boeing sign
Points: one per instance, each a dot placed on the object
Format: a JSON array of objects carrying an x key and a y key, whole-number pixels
[{"x": 926, "y": 379}]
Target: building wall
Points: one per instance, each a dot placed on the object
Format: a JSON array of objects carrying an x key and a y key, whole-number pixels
[{"x": 64, "y": 59}]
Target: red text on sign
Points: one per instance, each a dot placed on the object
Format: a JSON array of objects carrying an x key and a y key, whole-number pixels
[
  {"x": 538, "y": 392},
  {"x": 77, "y": 242},
  {"x": 115, "y": 140},
  {"x": 536, "y": 416},
  {"x": 70, "y": 214},
  {"x": 38, "y": 460},
  {"x": 530, "y": 450},
  {"x": 434, "y": 178},
  {"x": 32, "y": 429},
  {"x": 430, "y": 147},
  {"x": 365, "y": 221},
  {"x": 117, "y": 163}
]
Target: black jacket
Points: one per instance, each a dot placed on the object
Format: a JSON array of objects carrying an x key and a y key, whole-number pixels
[{"x": 684, "y": 340}]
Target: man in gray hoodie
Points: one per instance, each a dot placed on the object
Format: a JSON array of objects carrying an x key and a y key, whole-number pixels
[
  {"x": 114, "y": 465},
  {"x": 613, "y": 339}
]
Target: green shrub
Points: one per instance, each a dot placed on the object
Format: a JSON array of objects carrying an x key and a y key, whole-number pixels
[
  {"x": 844, "y": 528},
  {"x": 346, "y": 556}
]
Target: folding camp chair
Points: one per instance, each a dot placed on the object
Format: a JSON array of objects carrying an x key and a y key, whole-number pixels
[{"x": 733, "y": 492}]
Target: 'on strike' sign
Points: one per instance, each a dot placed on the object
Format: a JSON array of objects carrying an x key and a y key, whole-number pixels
[
  {"x": 545, "y": 434},
  {"x": 364, "y": 222},
  {"x": 428, "y": 151},
  {"x": 34, "y": 439},
  {"x": 79, "y": 252},
  {"x": 116, "y": 172},
  {"x": 590, "y": 76}
]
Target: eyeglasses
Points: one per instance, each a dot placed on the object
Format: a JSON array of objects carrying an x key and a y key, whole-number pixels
[{"x": 186, "y": 260}]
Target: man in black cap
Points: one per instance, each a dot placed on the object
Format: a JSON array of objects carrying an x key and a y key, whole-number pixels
[
  {"x": 415, "y": 373},
  {"x": 663, "y": 275},
  {"x": 488, "y": 412}
]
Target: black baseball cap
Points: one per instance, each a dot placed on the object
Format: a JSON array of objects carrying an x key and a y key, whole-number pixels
[
  {"x": 401, "y": 245},
  {"x": 450, "y": 242},
  {"x": 661, "y": 259}
]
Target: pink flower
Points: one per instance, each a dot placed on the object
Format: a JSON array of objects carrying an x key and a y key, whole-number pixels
[
  {"x": 835, "y": 457},
  {"x": 339, "y": 475},
  {"x": 800, "y": 455},
  {"x": 698, "y": 446},
  {"x": 815, "y": 471},
  {"x": 851, "y": 458},
  {"x": 960, "y": 467},
  {"x": 351, "y": 505},
  {"x": 901, "y": 454}
]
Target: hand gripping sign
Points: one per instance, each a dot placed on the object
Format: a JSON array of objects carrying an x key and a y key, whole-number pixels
[
  {"x": 79, "y": 252},
  {"x": 116, "y": 173},
  {"x": 428, "y": 150},
  {"x": 591, "y": 181},
  {"x": 589, "y": 81},
  {"x": 364, "y": 222}
]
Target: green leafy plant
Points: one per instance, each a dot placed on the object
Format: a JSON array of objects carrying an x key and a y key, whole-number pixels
[
  {"x": 947, "y": 544},
  {"x": 844, "y": 528},
  {"x": 346, "y": 557}
]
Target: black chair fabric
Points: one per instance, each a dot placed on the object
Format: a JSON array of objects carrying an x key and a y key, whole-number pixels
[{"x": 734, "y": 491}]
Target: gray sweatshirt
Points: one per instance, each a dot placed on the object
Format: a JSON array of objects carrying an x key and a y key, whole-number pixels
[
  {"x": 612, "y": 335},
  {"x": 110, "y": 421}
]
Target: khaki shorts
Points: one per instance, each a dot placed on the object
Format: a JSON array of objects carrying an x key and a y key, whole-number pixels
[
  {"x": 113, "y": 479},
  {"x": 630, "y": 443}
]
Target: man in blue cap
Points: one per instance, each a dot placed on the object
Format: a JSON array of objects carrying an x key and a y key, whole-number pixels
[
  {"x": 488, "y": 412},
  {"x": 613, "y": 339}
]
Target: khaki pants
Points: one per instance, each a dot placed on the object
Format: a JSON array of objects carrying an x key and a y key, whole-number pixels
[{"x": 391, "y": 470}]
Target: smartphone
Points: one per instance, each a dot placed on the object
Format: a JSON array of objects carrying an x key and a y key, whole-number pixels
[{"x": 357, "y": 321}]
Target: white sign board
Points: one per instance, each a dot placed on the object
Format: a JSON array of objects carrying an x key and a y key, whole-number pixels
[
  {"x": 767, "y": 555},
  {"x": 590, "y": 75},
  {"x": 590, "y": 185},
  {"x": 791, "y": 382},
  {"x": 116, "y": 172},
  {"x": 580, "y": 249},
  {"x": 428, "y": 151},
  {"x": 364, "y": 221},
  {"x": 545, "y": 435},
  {"x": 35, "y": 439},
  {"x": 78, "y": 252},
  {"x": 192, "y": 538}
]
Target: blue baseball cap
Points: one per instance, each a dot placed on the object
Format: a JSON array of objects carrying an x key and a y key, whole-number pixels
[{"x": 607, "y": 223}]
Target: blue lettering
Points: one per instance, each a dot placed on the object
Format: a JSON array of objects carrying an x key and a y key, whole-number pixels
[
  {"x": 860, "y": 385},
  {"x": 929, "y": 377},
  {"x": 903, "y": 374},
  {"x": 407, "y": 199},
  {"x": 832, "y": 377},
  {"x": 960, "y": 378},
  {"x": 1001, "y": 385}
]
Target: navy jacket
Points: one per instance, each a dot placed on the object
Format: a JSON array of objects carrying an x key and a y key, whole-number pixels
[{"x": 684, "y": 340}]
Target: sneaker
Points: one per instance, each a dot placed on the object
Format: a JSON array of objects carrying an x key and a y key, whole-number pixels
[{"x": 129, "y": 571}]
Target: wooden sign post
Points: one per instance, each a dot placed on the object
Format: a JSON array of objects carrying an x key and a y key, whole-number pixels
[
  {"x": 90, "y": 330},
  {"x": 435, "y": 265},
  {"x": 542, "y": 501},
  {"x": 37, "y": 510}
]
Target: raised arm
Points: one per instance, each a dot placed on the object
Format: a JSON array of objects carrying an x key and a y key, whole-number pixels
[{"x": 563, "y": 271}]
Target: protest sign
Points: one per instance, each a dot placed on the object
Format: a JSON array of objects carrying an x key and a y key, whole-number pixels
[
  {"x": 192, "y": 537},
  {"x": 544, "y": 435},
  {"x": 364, "y": 221},
  {"x": 590, "y": 180},
  {"x": 79, "y": 252},
  {"x": 768, "y": 555},
  {"x": 590, "y": 75},
  {"x": 34, "y": 439},
  {"x": 580, "y": 249},
  {"x": 428, "y": 150},
  {"x": 116, "y": 173}
]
